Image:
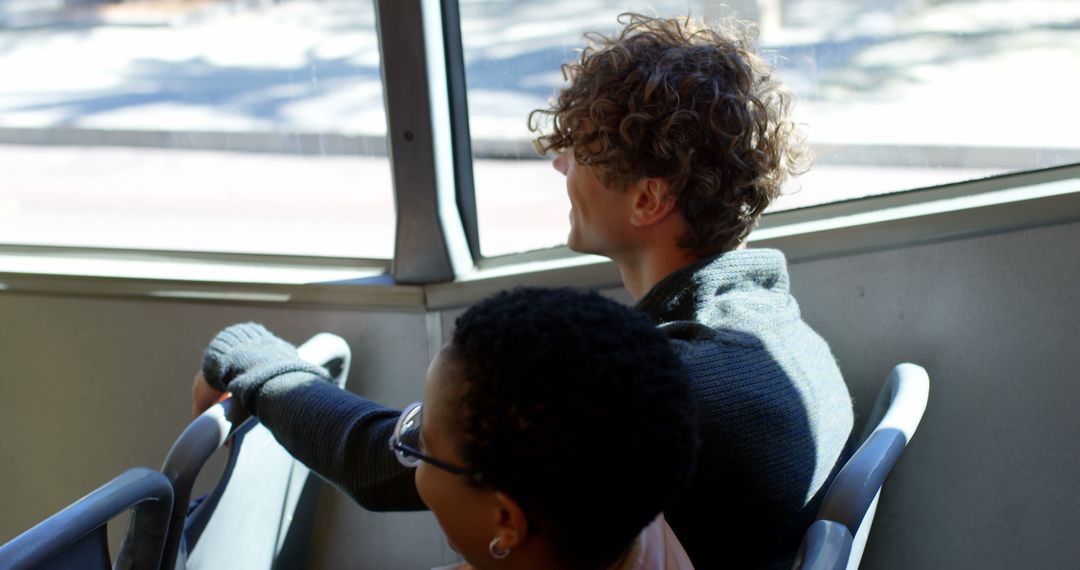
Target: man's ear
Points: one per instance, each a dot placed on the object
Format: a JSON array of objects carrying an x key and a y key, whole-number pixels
[
  {"x": 513, "y": 528},
  {"x": 653, "y": 201}
]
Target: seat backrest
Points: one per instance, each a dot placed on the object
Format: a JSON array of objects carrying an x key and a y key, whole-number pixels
[
  {"x": 250, "y": 519},
  {"x": 852, "y": 498},
  {"x": 76, "y": 537}
]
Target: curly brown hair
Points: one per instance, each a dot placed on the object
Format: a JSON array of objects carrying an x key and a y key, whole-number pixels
[{"x": 673, "y": 98}]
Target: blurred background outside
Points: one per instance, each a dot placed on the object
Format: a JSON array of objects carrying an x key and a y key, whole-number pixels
[{"x": 258, "y": 126}]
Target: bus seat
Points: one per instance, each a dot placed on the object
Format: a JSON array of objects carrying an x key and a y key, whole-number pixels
[
  {"x": 853, "y": 496},
  {"x": 261, "y": 521},
  {"x": 76, "y": 537},
  {"x": 826, "y": 546}
]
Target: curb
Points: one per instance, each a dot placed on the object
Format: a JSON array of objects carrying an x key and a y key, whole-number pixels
[{"x": 336, "y": 144}]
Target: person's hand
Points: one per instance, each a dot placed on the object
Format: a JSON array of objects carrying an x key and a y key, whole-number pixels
[{"x": 203, "y": 395}]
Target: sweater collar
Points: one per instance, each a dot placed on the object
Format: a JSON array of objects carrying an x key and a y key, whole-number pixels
[{"x": 683, "y": 293}]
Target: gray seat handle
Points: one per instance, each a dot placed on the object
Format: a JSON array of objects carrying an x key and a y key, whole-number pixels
[
  {"x": 901, "y": 402},
  {"x": 892, "y": 423},
  {"x": 148, "y": 491},
  {"x": 826, "y": 546},
  {"x": 186, "y": 458}
]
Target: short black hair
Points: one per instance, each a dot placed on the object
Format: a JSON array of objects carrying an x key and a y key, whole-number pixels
[{"x": 578, "y": 408}]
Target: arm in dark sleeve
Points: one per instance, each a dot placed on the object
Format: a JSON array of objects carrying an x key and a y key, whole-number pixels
[{"x": 337, "y": 434}]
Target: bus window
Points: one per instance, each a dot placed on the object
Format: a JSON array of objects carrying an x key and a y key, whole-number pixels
[
  {"x": 891, "y": 96},
  {"x": 205, "y": 125}
]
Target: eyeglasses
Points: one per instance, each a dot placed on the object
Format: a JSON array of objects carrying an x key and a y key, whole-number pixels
[{"x": 405, "y": 442}]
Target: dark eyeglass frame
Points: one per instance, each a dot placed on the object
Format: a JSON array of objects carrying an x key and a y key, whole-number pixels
[{"x": 408, "y": 455}]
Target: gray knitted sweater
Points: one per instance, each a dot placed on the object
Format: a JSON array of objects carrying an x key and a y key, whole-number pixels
[{"x": 775, "y": 413}]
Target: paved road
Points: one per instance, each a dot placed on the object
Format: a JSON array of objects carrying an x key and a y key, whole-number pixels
[{"x": 865, "y": 70}]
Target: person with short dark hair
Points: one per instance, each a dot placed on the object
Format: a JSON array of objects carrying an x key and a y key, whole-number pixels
[
  {"x": 674, "y": 138},
  {"x": 546, "y": 405}
]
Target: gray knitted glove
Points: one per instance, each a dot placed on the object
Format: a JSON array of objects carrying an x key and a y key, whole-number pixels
[{"x": 240, "y": 348}]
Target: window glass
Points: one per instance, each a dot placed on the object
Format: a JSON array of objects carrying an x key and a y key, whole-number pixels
[
  {"x": 892, "y": 95},
  {"x": 200, "y": 125}
]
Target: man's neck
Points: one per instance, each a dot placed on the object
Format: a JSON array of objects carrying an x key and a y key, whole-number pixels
[{"x": 642, "y": 270}]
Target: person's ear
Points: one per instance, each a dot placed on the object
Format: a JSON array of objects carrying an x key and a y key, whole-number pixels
[
  {"x": 512, "y": 527},
  {"x": 653, "y": 201}
]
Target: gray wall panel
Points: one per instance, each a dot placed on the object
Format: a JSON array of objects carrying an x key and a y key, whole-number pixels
[{"x": 989, "y": 479}]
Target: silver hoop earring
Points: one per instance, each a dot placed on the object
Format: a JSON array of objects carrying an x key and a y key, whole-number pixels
[{"x": 496, "y": 552}]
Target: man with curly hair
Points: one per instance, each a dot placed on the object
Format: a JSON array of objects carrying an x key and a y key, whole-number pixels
[{"x": 674, "y": 138}]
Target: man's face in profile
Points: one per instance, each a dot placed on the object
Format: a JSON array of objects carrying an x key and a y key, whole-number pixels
[{"x": 599, "y": 215}]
